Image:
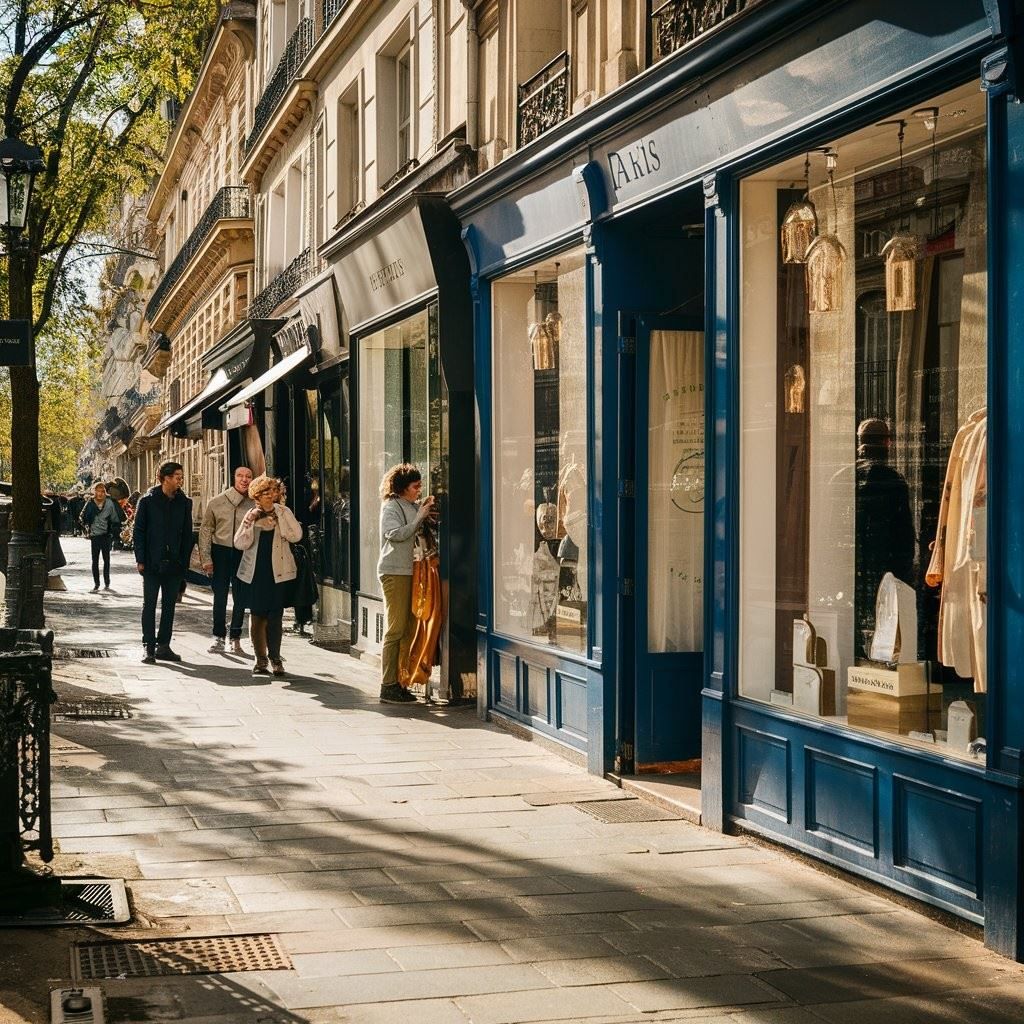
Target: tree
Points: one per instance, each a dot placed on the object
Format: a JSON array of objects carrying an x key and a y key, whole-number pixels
[{"x": 81, "y": 79}]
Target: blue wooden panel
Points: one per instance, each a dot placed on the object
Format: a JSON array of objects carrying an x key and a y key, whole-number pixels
[
  {"x": 763, "y": 773},
  {"x": 937, "y": 833},
  {"x": 842, "y": 800},
  {"x": 535, "y": 690},
  {"x": 571, "y": 695},
  {"x": 505, "y": 680}
]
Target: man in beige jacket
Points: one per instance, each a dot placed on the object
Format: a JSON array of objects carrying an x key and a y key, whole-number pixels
[{"x": 221, "y": 519}]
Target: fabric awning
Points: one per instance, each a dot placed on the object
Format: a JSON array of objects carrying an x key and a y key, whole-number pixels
[
  {"x": 219, "y": 385},
  {"x": 275, "y": 373}
]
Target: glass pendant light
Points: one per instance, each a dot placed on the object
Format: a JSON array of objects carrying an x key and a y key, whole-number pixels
[
  {"x": 540, "y": 336},
  {"x": 826, "y": 256},
  {"x": 900, "y": 254},
  {"x": 800, "y": 223}
]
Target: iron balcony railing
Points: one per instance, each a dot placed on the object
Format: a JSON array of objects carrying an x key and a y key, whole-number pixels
[
  {"x": 295, "y": 51},
  {"x": 677, "y": 23},
  {"x": 283, "y": 286},
  {"x": 544, "y": 99},
  {"x": 230, "y": 202},
  {"x": 331, "y": 9}
]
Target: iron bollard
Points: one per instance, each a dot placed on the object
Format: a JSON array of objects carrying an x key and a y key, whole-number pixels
[{"x": 26, "y": 694}]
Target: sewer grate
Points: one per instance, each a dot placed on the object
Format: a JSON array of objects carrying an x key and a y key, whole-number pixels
[
  {"x": 67, "y": 653},
  {"x": 157, "y": 958},
  {"x": 91, "y": 708},
  {"x": 84, "y": 901},
  {"x": 613, "y": 811}
]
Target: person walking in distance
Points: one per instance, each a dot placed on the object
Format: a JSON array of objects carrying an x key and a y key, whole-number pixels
[
  {"x": 267, "y": 570},
  {"x": 221, "y": 558},
  {"x": 101, "y": 519},
  {"x": 402, "y": 516},
  {"x": 162, "y": 539}
]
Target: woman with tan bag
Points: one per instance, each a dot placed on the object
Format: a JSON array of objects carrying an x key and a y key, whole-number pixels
[{"x": 402, "y": 516}]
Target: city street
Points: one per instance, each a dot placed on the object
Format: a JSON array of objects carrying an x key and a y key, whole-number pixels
[{"x": 419, "y": 865}]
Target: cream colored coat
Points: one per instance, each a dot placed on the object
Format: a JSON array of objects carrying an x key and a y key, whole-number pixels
[{"x": 247, "y": 540}]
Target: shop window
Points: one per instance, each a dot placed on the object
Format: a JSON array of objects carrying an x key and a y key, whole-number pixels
[
  {"x": 863, "y": 359},
  {"x": 393, "y": 423},
  {"x": 336, "y": 504},
  {"x": 540, "y": 453}
]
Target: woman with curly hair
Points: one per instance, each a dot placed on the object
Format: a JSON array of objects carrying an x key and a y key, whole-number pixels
[
  {"x": 267, "y": 570},
  {"x": 402, "y": 516}
]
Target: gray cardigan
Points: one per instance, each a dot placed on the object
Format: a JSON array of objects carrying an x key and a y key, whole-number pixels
[{"x": 400, "y": 521}]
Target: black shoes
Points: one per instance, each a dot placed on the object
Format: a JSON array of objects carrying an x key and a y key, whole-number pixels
[
  {"x": 393, "y": 693},
  {"x": 149, "y": 658},
  {"x": 164, "y": 653}
]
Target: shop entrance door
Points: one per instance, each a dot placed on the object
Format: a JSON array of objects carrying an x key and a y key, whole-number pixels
[{"x": 668, "y": 542}]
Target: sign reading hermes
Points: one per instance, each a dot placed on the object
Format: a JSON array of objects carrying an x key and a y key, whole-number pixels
[{"x": 387, "y": 274}]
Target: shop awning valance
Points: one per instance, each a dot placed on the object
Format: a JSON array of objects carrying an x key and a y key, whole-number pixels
[
  {"x": 219, "y": 385},
  {"x": 281, "y": 369}
]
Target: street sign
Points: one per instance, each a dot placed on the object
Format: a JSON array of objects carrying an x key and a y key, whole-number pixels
[{"x": 15, "y": 343}]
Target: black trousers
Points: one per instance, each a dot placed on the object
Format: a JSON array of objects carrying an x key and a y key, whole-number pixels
[
  {"x": 100, "y": 545},
  {"x": 165, "y": 587},
  {"x": 225, "y": 565}
]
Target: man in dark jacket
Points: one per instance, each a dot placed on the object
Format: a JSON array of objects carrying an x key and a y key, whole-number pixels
[{"x": 162, "y": 539}]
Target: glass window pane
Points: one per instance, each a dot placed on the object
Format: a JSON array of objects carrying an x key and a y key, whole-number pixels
[
  {"x": 540, "y": 452},
  {"x": 864, "y": 411},
  {"x": 393, "y": 422}
]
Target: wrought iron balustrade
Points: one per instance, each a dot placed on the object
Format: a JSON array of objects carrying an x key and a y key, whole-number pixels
[
  {"x": 544, "y": 99},
  {"x": 295, "y": 51},
  {"x": 232, "y": 201},
  {"x": 283, "y": 286},
  {"x": 677, "y": 23},
  {"x": 331, "y": 9}
]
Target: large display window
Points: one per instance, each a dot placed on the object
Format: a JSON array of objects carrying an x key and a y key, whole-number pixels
[
  {"x": 540, "y": 392},
  {"x": 863, "y": 353}
]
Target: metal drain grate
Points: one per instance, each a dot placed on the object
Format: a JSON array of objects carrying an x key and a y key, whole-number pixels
[
  {"x": 91, "y": 708},
  {"x": 83, "y": 901},
  {"x": 66, "y": 653},
  {"x": 157, "y": 958},
  {"x": 613, "y": 811}
]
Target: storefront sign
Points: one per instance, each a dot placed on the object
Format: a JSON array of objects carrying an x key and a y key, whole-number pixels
[
  {"x": 238, "y": 416},
  {"x": 15, "y": 343},
  {"x": 389, "y": 270}
]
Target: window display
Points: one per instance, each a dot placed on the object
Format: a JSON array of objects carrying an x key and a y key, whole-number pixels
[
  {"x": 540, "y": 452},
  {"x": 864, "y": 409},
  {"x": 393, "y": 422}
]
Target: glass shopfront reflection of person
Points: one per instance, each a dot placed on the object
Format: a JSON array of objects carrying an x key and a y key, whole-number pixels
[{"x": 885, "y": 528}]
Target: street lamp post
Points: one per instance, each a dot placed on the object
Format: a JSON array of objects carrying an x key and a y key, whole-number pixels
[{"x": 19, "y": 165}]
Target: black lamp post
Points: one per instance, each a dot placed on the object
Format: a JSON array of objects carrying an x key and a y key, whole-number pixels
[{"x": 19, "y": 165}]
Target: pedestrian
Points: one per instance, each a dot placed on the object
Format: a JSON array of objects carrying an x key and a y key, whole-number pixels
[
  {"x": 77, "y": 506},
  {"x": 101, "y": 520},
  {"x": 402, "y": 517},
  {"x": 268, "y": 570},
  {"x": 221, "y": 558},
  {"x": 162, "y": 538}
]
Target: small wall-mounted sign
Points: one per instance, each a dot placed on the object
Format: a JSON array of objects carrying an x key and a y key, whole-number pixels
[{"x": 15, "y": 343}]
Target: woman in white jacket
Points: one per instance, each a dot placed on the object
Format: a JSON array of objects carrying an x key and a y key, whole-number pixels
[{"x": 267, "y": 570}]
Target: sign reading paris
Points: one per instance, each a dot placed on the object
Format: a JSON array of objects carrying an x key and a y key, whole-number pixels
[{"x": 15, "y": 343}]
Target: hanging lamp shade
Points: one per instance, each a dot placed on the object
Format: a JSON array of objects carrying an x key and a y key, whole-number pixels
[
  {"x": 900, "y": 253},
  {"x": 826, "y": 258},
  {"x": 799, "y": 229},
  {"x": 544, "y": 354}
]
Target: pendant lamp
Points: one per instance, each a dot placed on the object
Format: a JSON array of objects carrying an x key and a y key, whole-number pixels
[
  {"x": 541, "y": 342},
  {"x": 826, "y": 257},
  {"x": 800, "y": 223},
  {"x": 900, "y": 254}
]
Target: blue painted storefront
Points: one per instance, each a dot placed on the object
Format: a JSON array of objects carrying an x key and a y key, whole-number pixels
[{"x": 671, "y": 148}]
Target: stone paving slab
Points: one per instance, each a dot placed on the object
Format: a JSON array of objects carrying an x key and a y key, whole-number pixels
[{"x": 422, "y": 867}]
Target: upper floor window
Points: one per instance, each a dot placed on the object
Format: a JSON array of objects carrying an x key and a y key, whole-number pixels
[
  {"x": 403, "y": 94},
  {"x": 395, "y": 102},
  {"x": 350, "y": 151}
]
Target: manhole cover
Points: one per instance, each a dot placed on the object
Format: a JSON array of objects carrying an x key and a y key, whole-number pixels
[
  {"x": 85, "y": 901},
  {"x": 66, "y": 653},
  {"x": 76, "y": 709},
  {"x": 625, "y": 810},
  {"x": 157, "y": 958}
]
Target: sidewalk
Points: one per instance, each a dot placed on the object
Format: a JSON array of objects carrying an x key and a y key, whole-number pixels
[{"x": 420, "y": 866}]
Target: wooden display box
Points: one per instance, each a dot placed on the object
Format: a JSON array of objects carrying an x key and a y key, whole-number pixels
[{"x": 869, "y": 710}]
